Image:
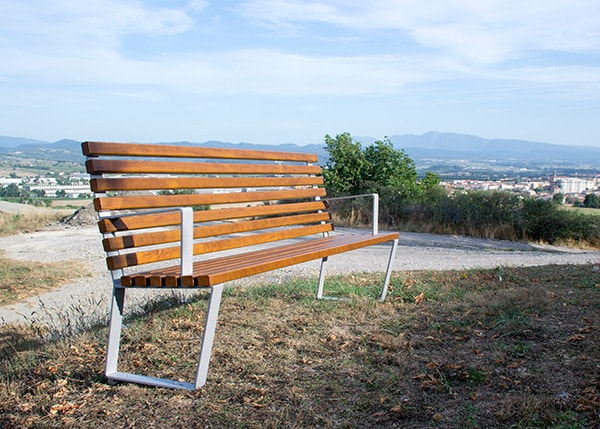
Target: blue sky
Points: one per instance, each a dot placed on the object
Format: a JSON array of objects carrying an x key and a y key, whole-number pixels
[{"x": 277, "y": 71}]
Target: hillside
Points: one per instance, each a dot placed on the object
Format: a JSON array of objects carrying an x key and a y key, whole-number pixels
[{"x": 430, "y": 146}]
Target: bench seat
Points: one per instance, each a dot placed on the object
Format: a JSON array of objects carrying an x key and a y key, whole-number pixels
[{"x": 219, "y": 270}]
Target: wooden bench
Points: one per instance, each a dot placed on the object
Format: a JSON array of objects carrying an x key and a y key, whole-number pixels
[{"x": 240, "y": 212}]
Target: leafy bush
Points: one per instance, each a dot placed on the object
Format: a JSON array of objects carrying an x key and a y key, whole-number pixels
[{"x": 409, "y": 204}]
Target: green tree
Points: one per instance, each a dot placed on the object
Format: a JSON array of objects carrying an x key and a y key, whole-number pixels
[
  {"x": 38, "y": 193},
  {"x": 429, "y": 181},
  {"x": 591, "y": 201},
  {"x": 388, "y": 166},
  {"x": 558, "y": 198},
  {"x": 345, "y": 169},
  {"x": 11, "y": 190}
]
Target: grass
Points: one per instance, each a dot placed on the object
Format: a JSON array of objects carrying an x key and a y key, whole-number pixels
[
  {"x": 447, "y": 349},
  {"x": 23, "y": 279},
  {"x": 585, "y": 210}
]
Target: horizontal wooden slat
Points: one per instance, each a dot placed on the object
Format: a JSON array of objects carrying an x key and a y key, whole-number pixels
[
  {"x": 162, "y": 237},
  {"x": 129, "y": 223},
  {"x": 171, "y": 151},
  {"x": 134, "y": 166},
  {"x": 162, "y": 183},
  {"x": 159, "y": 201},
  {"x": 173, "y": 252},
  {"x": 219, "y": 270}
]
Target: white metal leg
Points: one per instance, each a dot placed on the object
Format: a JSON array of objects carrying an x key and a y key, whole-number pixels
[
  {"x": 322, "y": 278},
  {"x": 388, "y": 272},
  {"x": 114, "y": 336},
  {"x": 114, "y": 330},
  {"x": 386, "y": 281},
  {"x": 212, "y": 314}
]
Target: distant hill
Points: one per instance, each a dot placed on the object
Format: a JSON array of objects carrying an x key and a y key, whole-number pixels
[
  {"x": 7, "y": 142},
  {"x": 62, "y": 150},
  {"x": 432, "y": 145},
  {"x": 438, "y": 145}
]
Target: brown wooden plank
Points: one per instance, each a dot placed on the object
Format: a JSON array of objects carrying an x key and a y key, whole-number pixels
[
  {"x": 155, "y": 183},
  {"x": 224, "y": 264},
  {"x": 135, "y": 166},
  {"x": 331, "y": 246},
  {"x": 172, "y": 252},
  {"x": 141, "y": 221},
  {"x": 219, "y": 270},
  {"x": 159, "y": 150},
  {"x": 161, "y": 237},
  {"x": 160, "y": 201}
]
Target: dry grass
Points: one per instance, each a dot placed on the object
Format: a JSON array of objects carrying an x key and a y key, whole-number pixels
[
  {"x": 482, "y": 349},
  {"x": 23, "y": 279},
  {"x": 29, "y": 221}
]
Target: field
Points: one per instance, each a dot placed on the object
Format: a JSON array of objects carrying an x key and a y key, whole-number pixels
[
  {"x": 585, "y": 210},
  {"x": 509, "y": 347}
]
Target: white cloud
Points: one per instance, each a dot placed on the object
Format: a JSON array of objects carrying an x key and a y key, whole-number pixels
[
  {"x": 476, "y": 31},
  {"x": 271, "y": 72},
  {"x": 63, "y": 25},
  {"x": 197, "y": 5},
  {"x": 80, "y": 43}
]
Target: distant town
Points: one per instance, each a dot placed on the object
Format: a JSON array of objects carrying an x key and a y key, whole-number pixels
[
  {"x": 571, "y": 189},
  {"x": 567, "y": 174}
]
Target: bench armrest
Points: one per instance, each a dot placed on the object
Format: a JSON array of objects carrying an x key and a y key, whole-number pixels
[
  {"x": 375, "y": 207},
  {"x": 187, "y": 240},
  {"x": 187, "y": 235}
]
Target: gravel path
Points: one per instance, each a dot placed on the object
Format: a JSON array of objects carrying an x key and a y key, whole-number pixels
[{"x": 89, "y": 297}]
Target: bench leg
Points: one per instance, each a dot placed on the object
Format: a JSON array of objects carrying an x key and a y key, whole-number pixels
[
  {"x": 386, "y": 281},
  {"x": 114, "y": 330},
  {"x": 322, "y": 278},
  {"x": 388, "y": 272},
  {"x": 208, "y": 336},
  {"x": 114, "y": 337}
]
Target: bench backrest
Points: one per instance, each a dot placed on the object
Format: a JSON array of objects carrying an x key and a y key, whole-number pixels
[{"x": 241, "y": 198}]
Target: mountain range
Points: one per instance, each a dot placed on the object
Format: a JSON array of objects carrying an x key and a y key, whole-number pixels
[{"x": 429, "y": 146}]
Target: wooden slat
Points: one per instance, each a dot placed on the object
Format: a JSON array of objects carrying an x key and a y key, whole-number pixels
[
  {"x": 173, "y": 151},
  {"x": 219, "y": 270},
  {"x": 154, "y": 183},
  {"x": 129, "y": 223},
  {"x": 161, "y": 237},
  {"x": 160, "y": 201},
  {"x": 134, "y": 166},
  {"x": 173, "y": 252}
]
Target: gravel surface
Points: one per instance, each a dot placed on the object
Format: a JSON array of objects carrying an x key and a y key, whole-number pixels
[{"x": 89, "y": 297}]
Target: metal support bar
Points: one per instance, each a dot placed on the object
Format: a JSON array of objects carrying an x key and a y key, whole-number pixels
[
  {"x": 187, "y": 241},
  {"x": 388, "y": 272},
  {"x": 112, "y": 354},
  {"x": 212, "y": 313},
  {"x": 386, "y": 281},
  {"x": 375, "y": 226},
  {"x": 187, "y": 234},
  {"x": 114, "y": 330},
  {"x": 322, "y": 278}
]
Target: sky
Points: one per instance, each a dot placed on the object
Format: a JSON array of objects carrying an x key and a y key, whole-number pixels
[{"x": 277, "y": 71}]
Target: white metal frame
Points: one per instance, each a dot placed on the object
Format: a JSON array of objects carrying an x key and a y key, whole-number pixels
[
  {"x": 117, "y": 313},
  {"x": 374, "y": 231},
  {"x": 214, "y": 301},
  {"x": 114, "y": 339}
]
